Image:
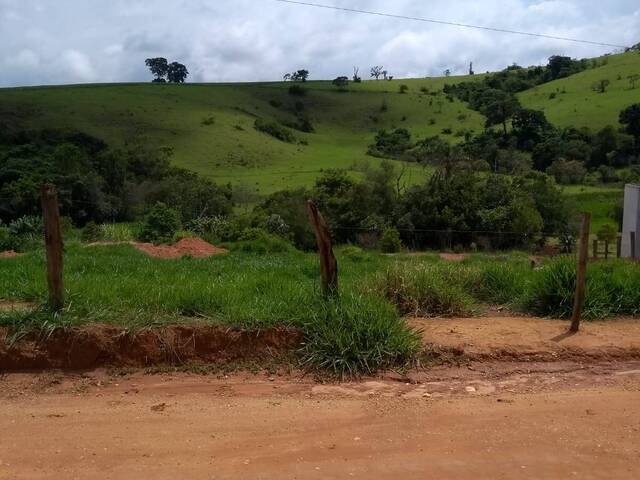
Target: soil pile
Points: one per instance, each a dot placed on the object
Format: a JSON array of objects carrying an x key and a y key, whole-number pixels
[{"x": 187, "y": 247}]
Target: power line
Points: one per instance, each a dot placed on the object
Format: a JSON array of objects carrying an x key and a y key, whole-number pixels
[{"x": 452, "y": 24}]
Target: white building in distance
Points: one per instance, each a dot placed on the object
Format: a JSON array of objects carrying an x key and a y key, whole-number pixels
[{"x": 631, "y": 221}]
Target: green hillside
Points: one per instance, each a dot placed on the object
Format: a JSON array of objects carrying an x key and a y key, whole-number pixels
[
  {"x": 572, "y": 101},
  {"x": 210, "y": 126}
]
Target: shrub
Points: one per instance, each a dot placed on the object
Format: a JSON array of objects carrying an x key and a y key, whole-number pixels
[
  {"x": 275, "y": 130},
  {"x": 160, "y": 224},
  {"x": 354, "y": 335},
  {"x": 7, "y": 240},
  {"x": 567, "y": 172},
  {"x": 447, "y": 131},
  {"x": 209, "y": 121},
  {"x": 91, "y": 232},
  {"x": 403, "y": 88},
  {"x": 390, "y": 242},
  {"x": 256, "y": 240}
]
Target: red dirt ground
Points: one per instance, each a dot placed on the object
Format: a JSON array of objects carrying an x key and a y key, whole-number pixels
[
  {"x": 529, "y": 421},
  {"x": 191, "y": 247},
  {"x": 9, "y": 254}
]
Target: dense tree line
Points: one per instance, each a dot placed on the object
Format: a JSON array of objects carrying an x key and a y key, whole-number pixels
[{"x": 97, "y": 183}]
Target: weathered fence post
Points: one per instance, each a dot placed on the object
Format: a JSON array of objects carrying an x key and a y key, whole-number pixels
[
  {"x": 581, "y": 274},
  {"x": 633, "y": 244},
  {"x": 53, "y": 245},
  {"x": 606, "y": 249},
  {"x": 328, "y": 262},
  {"x": 595, "y": 248}
]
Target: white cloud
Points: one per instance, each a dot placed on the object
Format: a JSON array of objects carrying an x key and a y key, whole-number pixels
[
  {"x": 245, "y": 40},
  {"x": 79, "y": 66}
]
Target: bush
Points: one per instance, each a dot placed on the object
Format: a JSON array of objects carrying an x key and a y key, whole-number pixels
[
  {"x": 256, "y": 240},
  {"x": 403, "y": 88},
  {"x": 91, "y": 232},
  {"x": 7, "y": 240},
  {"x": 355, "y": 335},
  {"x": 390, "y": 242},
  {"x": 160, "y": 224},
  {"x": 275, "y": 130},
  {"x": 567, "y": 172}
]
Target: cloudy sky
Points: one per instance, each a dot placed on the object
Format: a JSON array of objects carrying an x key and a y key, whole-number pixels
[{"x": 77, "y": 41}]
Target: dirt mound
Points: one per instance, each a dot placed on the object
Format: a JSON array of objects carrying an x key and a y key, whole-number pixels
[
  {"x": 187, "y": 247},
  {"x": 106, "y": 345},
  {"x": 9, "y": 254}
]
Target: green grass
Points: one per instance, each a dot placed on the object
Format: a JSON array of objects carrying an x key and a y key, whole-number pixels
[
  {"x": 599, "y": 201},
  {"x": 211, "y": 126},
  {"x": 580, "y": 106}
]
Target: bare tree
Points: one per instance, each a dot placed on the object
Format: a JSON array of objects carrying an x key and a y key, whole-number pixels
[
  {"x": 356, "y": 75},
  {"x": 376, "y": 72}
]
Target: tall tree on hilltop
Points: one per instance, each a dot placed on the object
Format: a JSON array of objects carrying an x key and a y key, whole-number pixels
[
  {"x": 159, "y": 68},
  {"x": 177, "y": 72}
]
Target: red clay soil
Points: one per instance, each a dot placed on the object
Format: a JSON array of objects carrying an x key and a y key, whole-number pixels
[
  {"x": 9, "y": 254},
  {"x": 187, "y": 247},
  {"x": 105, "y": 345},
  {"x": 530, "y": 338}
]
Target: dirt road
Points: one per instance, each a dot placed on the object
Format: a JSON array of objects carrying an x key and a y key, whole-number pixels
[{"x": 528, "y": 421}]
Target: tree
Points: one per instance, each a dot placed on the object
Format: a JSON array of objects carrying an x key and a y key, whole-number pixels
[
  {"x": 498, "y": 106},
  {"x": 299, "y": 75},
  {"x": 377, "y": 71},
  {"x": 341, "y": 82},
  {"x": 633, "y": 80},
  {"x": 529, "y": 127},
  {"x": 601, "y": 85},
  {"x": 447, "y": 73},
  {"x": 560, "y": 66},
  {"x": 356, "y": 76},
  {"x": 177, "y": 72},
  {"x": 159, "y": 68},
  {"x": 630, "y": 118}
]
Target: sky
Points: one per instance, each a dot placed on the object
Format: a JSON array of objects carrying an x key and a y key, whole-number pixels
[{"x": 86, "y": 41}]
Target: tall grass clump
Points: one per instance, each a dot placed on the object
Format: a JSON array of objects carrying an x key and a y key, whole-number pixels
[
  {"x": 499, "y": 283},
  {"x": 424, "y": 290},
  {"x": 611, "y": 289},
  {"x": 357, "y": 334}
]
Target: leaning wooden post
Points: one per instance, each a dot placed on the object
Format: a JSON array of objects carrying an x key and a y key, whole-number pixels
[
  {"x": 581, "y": 274},
  {"x": 328, "y": 262},
  {"x": 53, "y": 245}
]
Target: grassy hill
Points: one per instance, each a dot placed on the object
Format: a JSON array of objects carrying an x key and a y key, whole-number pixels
[
  {"x": 571, "y": 101},
  {"x": 210, "y": 126}
]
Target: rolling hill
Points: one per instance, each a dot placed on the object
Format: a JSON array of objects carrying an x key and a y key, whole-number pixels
[{"x": 210, "y": 127}]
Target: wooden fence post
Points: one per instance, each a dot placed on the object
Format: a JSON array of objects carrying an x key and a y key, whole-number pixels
[
  {"x": 606, "y": 249},
  {"x": 633, "y": 244},
  {"x": 595, "y": 248},
  {"x": 53, "y": 245},
  {"x": 619, "y": 247},
  {"x": 328, "y": 262},
  {"x": 583, "y": 256}
]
